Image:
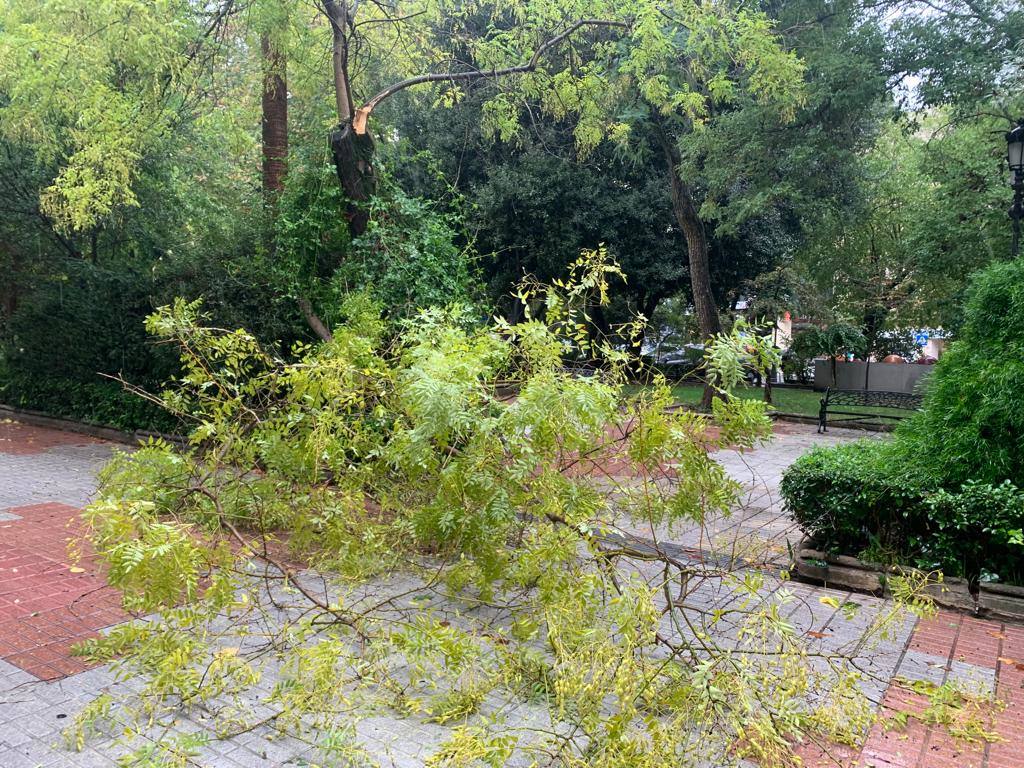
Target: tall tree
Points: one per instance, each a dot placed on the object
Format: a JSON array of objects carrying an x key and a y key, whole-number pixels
[
  {"x": 532, "y": 205},
  {"x": 964, "y": 53},
  {"x": 275, "y": 115},
  {"x": 658, "y": 72}
]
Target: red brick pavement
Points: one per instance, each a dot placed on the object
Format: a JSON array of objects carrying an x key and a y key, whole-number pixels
[
  {"x": 953, "y": 637},
  {"x": 24, "y": 440},
  {"x": 45, "y": 606}
]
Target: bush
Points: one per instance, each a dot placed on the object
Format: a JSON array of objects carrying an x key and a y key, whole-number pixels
[
  {"x": 71, "y": 331},
  {"x": 941, "y": 493},
  {"x": 972, "y": 423},
  {"x": 853, "y": 498},
  {"x": 858, "y": 499},
  {"x": 101, "y": 402},
  {"x": 975, "y": 531}
]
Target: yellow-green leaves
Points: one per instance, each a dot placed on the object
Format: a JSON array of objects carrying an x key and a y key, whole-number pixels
[
  {"x": 450, "y": 525},
  {"x": 98, "y": 174},
  {"x": 155, "y": 563},
  {"x": 90, "y": 88}
]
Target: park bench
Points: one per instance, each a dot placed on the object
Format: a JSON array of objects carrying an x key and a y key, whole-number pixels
[{"x": 893, "y": 402}]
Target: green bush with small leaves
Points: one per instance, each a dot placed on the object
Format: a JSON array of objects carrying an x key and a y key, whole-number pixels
[
  {"x": 942, "y": 493},
  {"x": 853, "y": 497},
  {"x": 863, "y": 499},
  {"x": 974, "y": 531}
]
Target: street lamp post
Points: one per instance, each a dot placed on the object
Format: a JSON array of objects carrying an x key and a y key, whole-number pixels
[{"x": 1015, "y": 159}]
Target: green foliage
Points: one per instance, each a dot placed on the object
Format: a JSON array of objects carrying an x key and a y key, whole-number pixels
[
  {"x": 727, "y": 361},
  {"x": 532, "y": 206},
  {"x": 866, "y": 498},
  {"x": 973, "y": 417},
  {"x": 855, "y": 496},
  {"x": 401, "y": 460},
  {"x": 901, "y": 343},
  {"x": 410, "y": 257},
  {"x": 85, "y": 89},
  {"x": 965, "y": 714},
  {"x": 836, "y": 340},
  {"x": 978, "y": 527},
  {"x": 78, "y": 328},
  {"x": 925, "y": 213},
  {"x": 966, "y": 53},
  {"x": 942, "y": 492},
  {"x": 104, "y": 403}
]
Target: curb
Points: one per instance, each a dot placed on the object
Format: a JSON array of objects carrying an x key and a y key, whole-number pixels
[
  {"x": 40, "y": 419},
  {"x": 1003, "y": 601}
]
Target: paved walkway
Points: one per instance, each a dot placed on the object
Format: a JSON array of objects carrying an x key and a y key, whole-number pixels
[{"x": 48, "y": 603}]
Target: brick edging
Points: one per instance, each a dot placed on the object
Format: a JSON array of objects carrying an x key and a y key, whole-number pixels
[
  {"x": 102, "y": 432},
  {"x": 804, "y": 419}
]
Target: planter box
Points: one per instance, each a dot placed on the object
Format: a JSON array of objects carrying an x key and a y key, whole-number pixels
[
  {"x": 848, "y": 572},
  {"x": 953, "y": 593},
  {"x": 837, "y": 570},
  {"x": 1002, "y": 600}
]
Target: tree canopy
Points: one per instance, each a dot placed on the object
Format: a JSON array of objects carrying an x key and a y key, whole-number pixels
[{"x": 704, "y": 145}]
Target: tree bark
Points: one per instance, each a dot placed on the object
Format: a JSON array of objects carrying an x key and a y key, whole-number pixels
[
  {"x": 352, "y": 150},
  {"x": 353, "y": 162},
  {"x": 275, "y": 118},
  {"x": 685, "y": 210}
]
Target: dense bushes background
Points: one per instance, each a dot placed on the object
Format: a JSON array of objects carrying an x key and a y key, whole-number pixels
[
  {"x": 79, "y": 321},
  {"x": 941, "y": 494},
  {"x": 74, "y": 329}
]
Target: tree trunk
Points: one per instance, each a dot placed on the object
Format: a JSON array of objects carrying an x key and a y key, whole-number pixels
[
  {"x": 275, "y": 119},
  {"x": 685, "y": 209},
  {"x": 352, "y": 150},
  {"x": 353, "y": 162}
]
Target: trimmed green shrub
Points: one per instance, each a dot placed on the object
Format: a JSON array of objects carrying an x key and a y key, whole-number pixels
[
  {"x": 853, "y": 498},
  {"x": 975, "y": 531},
  {"x": 857, "y": 499}
]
